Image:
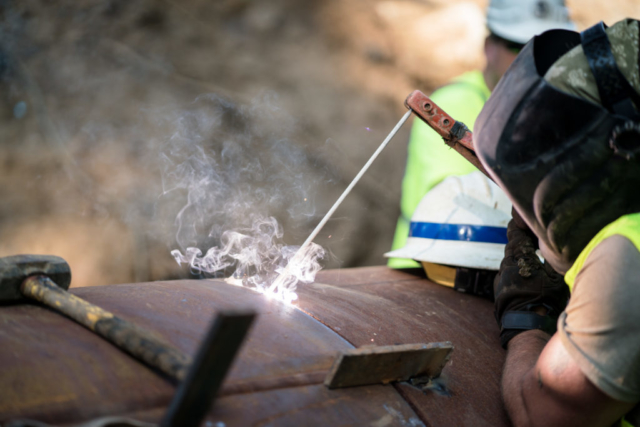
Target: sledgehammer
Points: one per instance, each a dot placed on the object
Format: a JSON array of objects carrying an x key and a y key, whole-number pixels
[{"x": 46, "y": 278}]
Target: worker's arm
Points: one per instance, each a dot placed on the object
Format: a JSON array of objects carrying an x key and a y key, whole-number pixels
[
  {"x": 543, "y": 386},
  {"x": 588, "y": 372}
]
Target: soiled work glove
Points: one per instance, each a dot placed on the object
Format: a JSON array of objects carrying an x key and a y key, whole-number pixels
[{"x": 524, "y": 285}]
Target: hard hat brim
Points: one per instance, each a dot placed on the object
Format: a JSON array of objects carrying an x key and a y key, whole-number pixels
[
  {"x": 524, "y": 31},
  {"x": 485, "y": 256}
]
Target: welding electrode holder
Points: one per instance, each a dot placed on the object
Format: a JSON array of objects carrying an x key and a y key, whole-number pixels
[{"x": 455, "y": 134}]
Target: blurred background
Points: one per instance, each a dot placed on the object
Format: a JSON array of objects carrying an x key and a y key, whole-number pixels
[{"x": 131, "y": 128}]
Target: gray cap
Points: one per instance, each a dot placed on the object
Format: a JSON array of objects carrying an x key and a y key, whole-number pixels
[{"x": 519, "y": 20}]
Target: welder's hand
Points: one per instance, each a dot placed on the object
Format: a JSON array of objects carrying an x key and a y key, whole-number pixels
[{"x": 525, "y": 285}]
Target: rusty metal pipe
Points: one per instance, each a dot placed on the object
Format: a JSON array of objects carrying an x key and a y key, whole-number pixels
[
  {"x": 138, "y": 342},
  {"x": 277, "y": 377}
]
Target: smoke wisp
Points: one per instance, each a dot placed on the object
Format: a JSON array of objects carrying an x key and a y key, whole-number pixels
[
  {"x": 240, "y": 177},
  {"x": 258, "y": 257}
]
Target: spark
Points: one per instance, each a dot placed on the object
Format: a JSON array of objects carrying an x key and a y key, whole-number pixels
[
  {"x": 261, "y": 252},
  {"x": 285, "y": 295}
]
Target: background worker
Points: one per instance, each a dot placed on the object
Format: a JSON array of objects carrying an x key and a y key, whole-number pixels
[
  {"x": 511, "y": 23},
  {"x": 561, "y": 136}
]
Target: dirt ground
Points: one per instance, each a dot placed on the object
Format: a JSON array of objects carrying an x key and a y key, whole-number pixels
[{"x": 133, "y": 128}]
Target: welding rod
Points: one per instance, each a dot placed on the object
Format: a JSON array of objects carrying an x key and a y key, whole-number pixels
[{"x": 338, "y": 202}]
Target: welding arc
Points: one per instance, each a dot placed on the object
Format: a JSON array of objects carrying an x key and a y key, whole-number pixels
[{"x": 279, "y": 280}]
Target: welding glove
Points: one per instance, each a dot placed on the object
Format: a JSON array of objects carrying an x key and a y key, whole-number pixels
[{"x": 525, "y": 286}]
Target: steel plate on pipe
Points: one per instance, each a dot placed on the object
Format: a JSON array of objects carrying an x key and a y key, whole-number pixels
[{"x": 377, "y": 305}]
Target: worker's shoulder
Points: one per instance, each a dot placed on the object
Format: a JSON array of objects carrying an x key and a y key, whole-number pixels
[
  {"x": 613, "y": 267},
  {"x": 616, "y": 250},
  {"x": 464, "y": 88}
]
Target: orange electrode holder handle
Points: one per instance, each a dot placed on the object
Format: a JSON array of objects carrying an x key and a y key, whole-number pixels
[{"x": 455, "y": 134}]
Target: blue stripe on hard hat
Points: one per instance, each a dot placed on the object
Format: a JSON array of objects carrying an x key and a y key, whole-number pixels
[{"x": 463, "y": 232}]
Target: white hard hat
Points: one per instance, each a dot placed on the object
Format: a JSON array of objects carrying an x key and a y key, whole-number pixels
[
  {"x": 519, "y": 20},
  {"x": 461, "y": 222}
]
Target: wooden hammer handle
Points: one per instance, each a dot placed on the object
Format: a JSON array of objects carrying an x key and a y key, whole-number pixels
[{"x": 138, "y": 342}]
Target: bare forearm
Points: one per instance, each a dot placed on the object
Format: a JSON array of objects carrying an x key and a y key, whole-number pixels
[{"x": 523, "y": 352}]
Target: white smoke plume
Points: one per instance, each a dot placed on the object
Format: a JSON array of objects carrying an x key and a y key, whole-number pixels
[
  {"x": 258, "y": 256},
  {"x": 242, "y": 177}
]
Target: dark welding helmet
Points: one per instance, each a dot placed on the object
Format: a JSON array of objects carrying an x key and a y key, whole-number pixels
[{"x": 570, "y": 166}]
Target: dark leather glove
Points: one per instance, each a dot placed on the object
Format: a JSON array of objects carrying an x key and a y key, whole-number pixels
[{"x": 524, "y": 284}]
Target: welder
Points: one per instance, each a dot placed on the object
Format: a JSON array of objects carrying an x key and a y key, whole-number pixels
[
  {"x": 511, "y": 23},
  {"x": 561, "y": 136}
]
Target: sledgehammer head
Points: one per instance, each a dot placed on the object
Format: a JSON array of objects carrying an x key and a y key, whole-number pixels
[{"x": 14, "y": 269}]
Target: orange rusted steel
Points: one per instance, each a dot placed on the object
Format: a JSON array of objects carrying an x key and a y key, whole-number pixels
[
  {"x": 455, "y": 134},
  {"x": 56, "y": 371}
]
